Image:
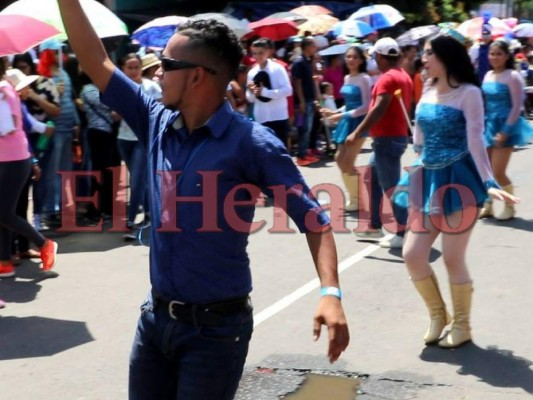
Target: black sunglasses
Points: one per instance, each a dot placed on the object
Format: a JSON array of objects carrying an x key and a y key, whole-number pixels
[{"x": 169, "y": 64}]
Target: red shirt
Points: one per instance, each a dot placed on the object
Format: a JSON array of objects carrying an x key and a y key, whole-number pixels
[{"x": 393, "y": 122}]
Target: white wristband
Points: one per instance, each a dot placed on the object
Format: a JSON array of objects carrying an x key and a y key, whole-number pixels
[{"x": 331, "y": 291}]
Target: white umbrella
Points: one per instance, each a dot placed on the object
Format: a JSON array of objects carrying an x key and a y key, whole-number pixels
[
  {"x": 523, "y": 30},
  {"x": 417, "y": 33},
  {"x": 239, "y": 27},
  {"x": 105, "y": 23},
  {"x": 378, "y": 16}
]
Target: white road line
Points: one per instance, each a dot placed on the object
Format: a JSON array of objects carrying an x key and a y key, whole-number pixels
[{"x": 314, "y": 284}]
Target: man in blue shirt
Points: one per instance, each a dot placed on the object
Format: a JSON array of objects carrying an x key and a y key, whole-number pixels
[{"x": 204, "y": 165}]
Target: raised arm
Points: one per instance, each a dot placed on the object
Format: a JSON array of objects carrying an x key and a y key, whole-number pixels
[{"x": 86, "y": 44}]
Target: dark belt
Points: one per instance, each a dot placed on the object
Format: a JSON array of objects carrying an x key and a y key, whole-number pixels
[{"x": 209, "y": 314}]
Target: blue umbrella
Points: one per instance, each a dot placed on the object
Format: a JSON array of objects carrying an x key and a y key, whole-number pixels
[
  {"x": 157, "y": 32},
  {"x": 335, "y": 50},
  {"x": 352, "y": 27},
  {"x": 378, "y": 16}
]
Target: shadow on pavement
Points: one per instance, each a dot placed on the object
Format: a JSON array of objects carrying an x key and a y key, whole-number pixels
[
  {"x": 30, "y": 337},
  {"x": 494, "y": 366},
  {"x": 515, "y": 223},
  {"x": 25, "y": 287}
]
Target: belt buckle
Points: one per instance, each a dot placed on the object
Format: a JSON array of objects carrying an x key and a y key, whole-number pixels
[{"x": 171, "y": 305}]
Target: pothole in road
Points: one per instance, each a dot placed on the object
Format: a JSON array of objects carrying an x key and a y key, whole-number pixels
[{"x": 320, "y": 387}]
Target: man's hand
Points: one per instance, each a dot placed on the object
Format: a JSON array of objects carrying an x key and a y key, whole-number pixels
[{"x": 330, "y": 313}]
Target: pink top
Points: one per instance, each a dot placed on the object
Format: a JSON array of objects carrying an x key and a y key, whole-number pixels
[
  {"x": 335, "y": 76},
  {"x": 13, "y": 147}
]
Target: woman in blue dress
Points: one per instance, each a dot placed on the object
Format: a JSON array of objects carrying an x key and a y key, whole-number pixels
[
  {"x": 503, "y": 89},
  {"x": 356, "y": 91},
  {"x": 447, "y": 186}
]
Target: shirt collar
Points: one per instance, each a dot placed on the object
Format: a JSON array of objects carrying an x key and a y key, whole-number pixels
[{"x": 216, "y": 125}]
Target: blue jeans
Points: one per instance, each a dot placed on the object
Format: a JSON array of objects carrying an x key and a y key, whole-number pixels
[
  {"x": 385, "y": 163},
  {"x": 304, "y": 130},
  {"x": 134, "y": 155},
  {"x": 172, "y": 359}
]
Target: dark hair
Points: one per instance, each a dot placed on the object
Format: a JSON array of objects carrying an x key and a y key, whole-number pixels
[
  {"x": 264, "y": 43},
  {"x": 504, "y": 46},
  {"x": 25, "y": 58},
  {"x": 306, "y": 42},
  {"x": 323, "y": 86},
  {"x": 216, "y": 41},
  {"x": 130, "y": 56},
  {"x": 453, "y": 55},
  {"x": 361, "y": 55},
  {"x": 408, "y": 47},
  {"x": 3, "y": 66}
]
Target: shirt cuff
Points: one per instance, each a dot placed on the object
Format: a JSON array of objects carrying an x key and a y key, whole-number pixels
[{"x": 491, "y": 183}]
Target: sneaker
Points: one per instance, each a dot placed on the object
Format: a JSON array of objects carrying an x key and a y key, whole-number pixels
[
  {"x": 316, "y": 152},
  {"x": 39, "y": 224},
  {"x": 370, "y": 234},
  {"x": 130, "y": 236},
  {"x": 396, "y": 242},
  {"x": 49, "y": 254},
  {"x": 303, "y": 162},
  {"x": 7, "y": 271}
]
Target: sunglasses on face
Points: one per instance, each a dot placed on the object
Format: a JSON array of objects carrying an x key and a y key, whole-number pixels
[{"x": 169, "y": 64}]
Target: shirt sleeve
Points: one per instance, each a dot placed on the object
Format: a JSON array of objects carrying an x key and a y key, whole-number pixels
[
  {"x": 36, "y": 126},
  {"x": 283, "y": 83},
  {"x": 270, "y": 166},
  {"x": 474, "y": 114},
  {"x": 128, "y": 99},
  {"x": 250, "y": 97},
  {"x": 296, "y": 70},
  {"x": 516, "y": 88}
]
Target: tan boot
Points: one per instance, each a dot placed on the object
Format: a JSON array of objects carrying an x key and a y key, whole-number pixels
[
  {"x": 508, "y": 210},
  {"x": 486, "y": 210},
  {"x": 439, "y": 317},
  {"x": 351, "y": 184},
  {"x": 462, "y": 302}
]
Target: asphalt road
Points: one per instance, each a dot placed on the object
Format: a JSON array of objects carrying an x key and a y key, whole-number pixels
[{"x": 68, "y": 337}]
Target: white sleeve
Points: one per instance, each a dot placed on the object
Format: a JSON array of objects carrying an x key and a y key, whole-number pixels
[
  {"x": 474, "y": 113},
  {"x": 366, "y": 87},
  {"x": 284, "y": 88},
  {"x": 516, "y": 88},
  {"x": 250, "y": 97},
  {"x": 36, "y": 126}
]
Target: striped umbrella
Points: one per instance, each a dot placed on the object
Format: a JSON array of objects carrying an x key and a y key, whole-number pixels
[
  {"x": 352, "y": 27},
  {"x": 379, "y": 16}
]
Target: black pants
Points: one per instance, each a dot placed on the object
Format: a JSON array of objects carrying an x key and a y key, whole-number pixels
[
  {"x": 280, "y": 128},
  {"x": 21, "y": 244},
  {"x": 104, "y": 152},
  {"x": 13, "y": 176}
]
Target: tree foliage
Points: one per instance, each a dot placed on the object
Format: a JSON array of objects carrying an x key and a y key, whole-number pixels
[{"x": 421, "y": 12}]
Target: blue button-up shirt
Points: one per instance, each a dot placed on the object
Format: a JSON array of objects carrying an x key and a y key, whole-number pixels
[{"x": 206, "y": 260}]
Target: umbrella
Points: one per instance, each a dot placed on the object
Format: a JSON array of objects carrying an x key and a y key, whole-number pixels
[
  {"x": 318, "y": 24},
  {"x": 472, "y": 28},
  {"x": 290, "y": 16},
  {"x": 239, "y": 27},
  {"x": 523, "y": 30},
  {"x": 335, "y": 50},
  {"x": 311, "y": 11},
  {"x": 105, "y": 23},
  {"x": 417, "y": 33},
  {"x": 379, "y": 16},
  {"x": 19, "y": 33},
  {"x": 352, "y": 27},
  {"x": 157, "y": 32},
  {"x": 274, "y": 28},
  {"x": 510, "y": 22}
]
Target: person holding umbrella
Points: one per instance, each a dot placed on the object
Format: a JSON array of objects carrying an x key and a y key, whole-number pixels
[{"x": 15, "y": 168}]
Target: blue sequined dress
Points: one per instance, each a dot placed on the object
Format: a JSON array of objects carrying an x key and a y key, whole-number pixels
[
  {"x": 497, "y": 108},
  {"x": 353, "y": 99},
  {"x": 445, "y": 160}
]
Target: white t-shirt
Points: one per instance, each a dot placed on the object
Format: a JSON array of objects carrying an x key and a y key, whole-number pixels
[{"x": 152, "y": 89}]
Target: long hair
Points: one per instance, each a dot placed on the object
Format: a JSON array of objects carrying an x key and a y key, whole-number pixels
[
  {"x": 504, "y": 46},
  {"x": 27, "y": 59},
  {"x": 453, "y": 55}
]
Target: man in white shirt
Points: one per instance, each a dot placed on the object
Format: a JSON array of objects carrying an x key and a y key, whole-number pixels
[{"x": 268, "y": 88}]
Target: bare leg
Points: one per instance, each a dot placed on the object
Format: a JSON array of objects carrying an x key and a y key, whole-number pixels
[{"x": 416, "y": 251}]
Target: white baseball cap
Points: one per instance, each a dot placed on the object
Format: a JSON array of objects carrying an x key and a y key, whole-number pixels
[
  {"x": 19, "y": 79},
  {"x": 386, "y": 47}
]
